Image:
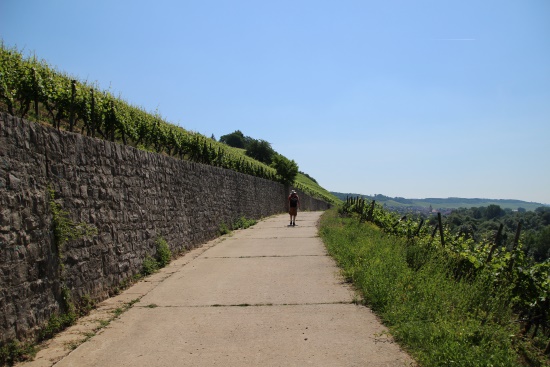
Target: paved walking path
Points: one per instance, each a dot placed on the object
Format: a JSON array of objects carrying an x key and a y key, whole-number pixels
[{"x": 265, "y": 296}]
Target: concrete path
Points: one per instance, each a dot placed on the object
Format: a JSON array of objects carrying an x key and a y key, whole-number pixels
[{"x": 265, "y": 296}]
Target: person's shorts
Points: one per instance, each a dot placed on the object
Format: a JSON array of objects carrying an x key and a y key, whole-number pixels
[{"x": 293, "y": 210}]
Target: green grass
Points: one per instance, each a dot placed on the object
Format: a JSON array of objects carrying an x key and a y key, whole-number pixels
[{"x": 440, "y": 320}]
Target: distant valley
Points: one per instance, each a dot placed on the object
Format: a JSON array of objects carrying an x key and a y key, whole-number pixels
[{"x": 440, "y": 204}]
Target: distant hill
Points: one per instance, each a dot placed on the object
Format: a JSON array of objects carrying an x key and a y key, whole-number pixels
[{"x": 440, "y": 203}]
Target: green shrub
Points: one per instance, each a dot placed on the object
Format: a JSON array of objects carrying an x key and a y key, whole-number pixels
[
  {"x": 85, "y": 305},
  {"x": 150, "y": 266},
  {"x": 15, "y": 351},
  {"x": 57, "y": 323},
  {"x": 64, "y": 229},
  {"x": 164, "y": 255},
  {"x": 224, "y": 229},
  {"x": 243, "y": 223}
]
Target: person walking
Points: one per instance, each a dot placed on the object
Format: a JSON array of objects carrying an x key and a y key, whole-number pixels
[{"x": 293, "y": 204}]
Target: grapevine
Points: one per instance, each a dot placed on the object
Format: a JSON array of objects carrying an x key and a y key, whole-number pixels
[{"x": 526, "y": 284}]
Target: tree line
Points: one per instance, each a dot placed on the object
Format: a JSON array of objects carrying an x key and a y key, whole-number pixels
[
  {"x": 262, "y": 151},
  {"x": 482, "y": 223}
]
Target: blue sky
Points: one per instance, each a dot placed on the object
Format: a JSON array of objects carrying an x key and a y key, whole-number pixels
[{"x": 411, "y": 98}]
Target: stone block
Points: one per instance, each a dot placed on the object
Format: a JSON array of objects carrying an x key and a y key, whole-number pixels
[{"x": 14, "y": 183}]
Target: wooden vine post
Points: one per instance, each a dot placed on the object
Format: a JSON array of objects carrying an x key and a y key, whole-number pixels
[
  {"x": 496, "y": 244},
  {"x": 419, "y": 227},
  {"x": 515, "y": 245},
  {"x": 370, "y": 217}
]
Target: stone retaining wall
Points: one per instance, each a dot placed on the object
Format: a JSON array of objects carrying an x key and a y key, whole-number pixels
[{"x": 132, "y": 197}]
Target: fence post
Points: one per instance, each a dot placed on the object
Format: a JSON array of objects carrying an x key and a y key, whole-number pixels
[
  {"x": 496, "y": 244},
  {"x": 399, "y": 221},
  {"x": 419, "y": 227},
  {"x": 371, "y": 212}
]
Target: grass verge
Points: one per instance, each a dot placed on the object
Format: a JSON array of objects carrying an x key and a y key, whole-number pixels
[{"x": 440, "y": 320}]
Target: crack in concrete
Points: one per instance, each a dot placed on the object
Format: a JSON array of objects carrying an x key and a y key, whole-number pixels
[
  {"x": 248, "y": 305},
  {"x": 260, "y": 256}
]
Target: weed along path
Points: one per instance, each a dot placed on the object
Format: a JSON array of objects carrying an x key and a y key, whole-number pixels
[{"x": 265, "y": 296}]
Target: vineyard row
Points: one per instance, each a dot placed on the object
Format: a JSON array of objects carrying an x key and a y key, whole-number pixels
[{"x": 31, "y": 89}]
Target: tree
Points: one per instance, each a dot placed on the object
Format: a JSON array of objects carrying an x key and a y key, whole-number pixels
[
  {"x": 540, "y": 249},
  {"x": 493, "y": 211},
  {"x": 477, "y": 213},
  {"x": 260, "y": 150},
  {"x": 544, "y": 213},
  {"x": 236, "y": 139},
  {"x": 286, "y": 169}
]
